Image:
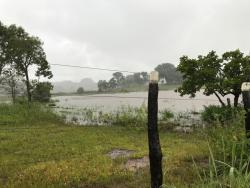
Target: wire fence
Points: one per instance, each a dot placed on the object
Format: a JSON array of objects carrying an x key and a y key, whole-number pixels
[{"x": 3, "y": 130}]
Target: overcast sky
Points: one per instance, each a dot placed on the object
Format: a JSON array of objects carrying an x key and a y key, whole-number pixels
[{"x": 133, "y": 35}]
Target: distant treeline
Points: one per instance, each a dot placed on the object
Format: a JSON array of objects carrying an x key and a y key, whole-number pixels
[{"x": 167, "y": 72}]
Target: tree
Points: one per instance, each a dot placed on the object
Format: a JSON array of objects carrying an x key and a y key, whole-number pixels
[
  {"x": 80, "y": 90},
  {"x": 169, "y": 72},
  {"x": 11, "y": 82},
  {"x": 5, "y": 48},
  {"x": 218, "y": 76},
  {"x": 112, "y": 84},
  {"x": 236, "y": 71},
  {"x": 118, "y": 78},
  {"x": 102, "y": 85},
  {"x": 144, "y": 77},
  {"x": 26, "y": 51},
  {"x": 42, "y": 91}
]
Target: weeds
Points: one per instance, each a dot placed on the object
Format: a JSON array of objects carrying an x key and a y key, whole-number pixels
[{"x": 27, "y": 114}]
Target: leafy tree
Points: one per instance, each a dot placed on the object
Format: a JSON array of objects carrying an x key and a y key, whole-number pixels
[
  {"x": 5, "y": 48},
  {"x": 112, "y": 84},
  {"x": 168, "y": 72},
  {"x": 137, "y": 78},
  {"x": 218, "y": 76},
  {"x": 144, "y": 76},
  {"x": 11, "y": 82},
  {"x": 42, "y": 91},
  {"x": 118, "y": 78},
  {"x": 236, "y": 71},
  {"x": 80, "y": 90},
  {"x": 26, "y": 51},
  {"x": 102, "y": 85}
]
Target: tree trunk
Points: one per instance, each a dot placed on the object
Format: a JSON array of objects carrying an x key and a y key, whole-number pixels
[
  {"x": 228, "y": 102},
  {"x": 236, "y": 99},
  {"x": 28, "y": 86},
  {"x": 13, "y": 94},
  {"x": 221, "y": 102}
]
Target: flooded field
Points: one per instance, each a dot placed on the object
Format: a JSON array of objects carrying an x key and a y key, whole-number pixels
[
  {"x": 110, "y": 102},
  {"x": 125, "y": 107}
]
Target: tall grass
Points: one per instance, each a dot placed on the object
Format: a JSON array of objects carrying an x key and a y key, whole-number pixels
[
  {"x": 231, "y": 171},
  {"x": 27, "y": 114},
  {"x": 229, "y": 158}
]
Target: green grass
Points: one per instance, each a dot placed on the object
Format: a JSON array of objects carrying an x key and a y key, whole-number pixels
[
  {"x": 38, "y": 150},
  {"x": 73, "y": 156},
  {"x": 66, "y": 156},
  {"x": 27, "y": 114}
]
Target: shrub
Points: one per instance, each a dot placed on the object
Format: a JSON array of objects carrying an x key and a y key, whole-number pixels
[
  {"x": 221, "y": 115},
  {"x": 80, "y": 90},
  {"x": 41, "y": 92},
  {"x": 166, "y": 115}
]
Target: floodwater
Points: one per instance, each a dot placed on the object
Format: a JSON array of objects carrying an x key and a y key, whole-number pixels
[{"x": 109, "y": 102}]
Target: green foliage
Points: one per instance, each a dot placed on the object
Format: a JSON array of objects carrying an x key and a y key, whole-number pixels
[
  {"x": 102, "y": 85},
  {"x": 218, "y": 76},
  {"x": 41, "y": 92},
  {"x": 80, "y": 90},
  {"x": 221, "y": 114},
  {"x": 11, "y": 82},
  {"x": 26, "y": 114},
  {"x": 168, "y": 72},
  {"x": 166, "y": 115},
  {"x": 228, "y": 160},
  {"x": 121, "y": 82},
  {"x": 23, "y": 51}
]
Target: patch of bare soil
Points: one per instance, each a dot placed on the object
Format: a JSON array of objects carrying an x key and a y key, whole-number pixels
[
  {"x": 135, "y": 164},
  {"x": 120, "y": 153}
]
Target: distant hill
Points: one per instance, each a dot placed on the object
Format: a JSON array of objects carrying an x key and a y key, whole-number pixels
[{"x": 68, "y": 86}]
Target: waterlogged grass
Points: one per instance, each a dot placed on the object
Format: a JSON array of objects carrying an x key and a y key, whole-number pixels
[{"x": 124, "y": 116}]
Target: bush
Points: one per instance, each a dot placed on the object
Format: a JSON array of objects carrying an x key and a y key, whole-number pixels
[
  {"x": 221, "y": 115},
  {"x": 80, "y": 90},
  {"x": 41, "y": 92},
  {"x": 166, "y": 115}
]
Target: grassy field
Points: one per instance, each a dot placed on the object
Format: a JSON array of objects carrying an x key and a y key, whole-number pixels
[
  {"x": 37, "y": 149},
  {"x": 51, "y": 154},
  {"x": 63, "y": 156}
]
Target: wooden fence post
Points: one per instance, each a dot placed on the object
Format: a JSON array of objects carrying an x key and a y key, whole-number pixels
[
  {"x": 155, "y": 154},
  {"x": 245, "y": 88}
]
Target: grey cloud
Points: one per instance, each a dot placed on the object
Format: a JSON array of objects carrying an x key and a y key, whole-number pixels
[{"x": 131, "y": 35}]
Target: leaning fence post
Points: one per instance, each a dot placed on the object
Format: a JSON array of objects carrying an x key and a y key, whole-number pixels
[
  {"x": 245, "y": 88},
  {"x": 155, "y": 154}
]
